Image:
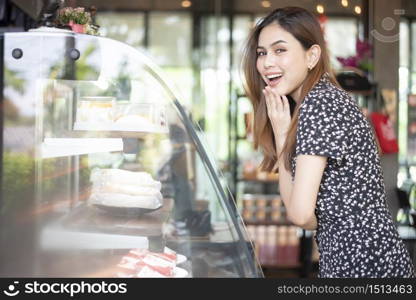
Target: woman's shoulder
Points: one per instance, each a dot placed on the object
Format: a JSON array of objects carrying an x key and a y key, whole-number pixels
[{"x": 327, "y": 96}]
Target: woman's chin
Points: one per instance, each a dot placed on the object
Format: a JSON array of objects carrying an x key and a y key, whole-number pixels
[{"x": 279, "y": 90}]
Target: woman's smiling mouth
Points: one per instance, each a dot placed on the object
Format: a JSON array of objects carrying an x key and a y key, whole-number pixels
[{"x": 273, "y": 79}]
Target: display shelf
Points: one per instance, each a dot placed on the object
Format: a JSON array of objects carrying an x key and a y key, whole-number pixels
[
  {"x": 56, "y": 238},
  {"x": 61, "y": 147},
  {"x": 88, "y": 218},
  {"x": 148, "y": 128},
  {"x": 89, "y": 227},
  {"x": 119, "y": 134}
]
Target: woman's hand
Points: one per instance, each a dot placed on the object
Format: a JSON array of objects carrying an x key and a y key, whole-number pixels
[{"x": 278, "y": 111}]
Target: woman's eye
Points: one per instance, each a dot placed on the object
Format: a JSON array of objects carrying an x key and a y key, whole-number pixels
[
  {"x": 280, "y": 50},
  {"x": 261, "y": 53}
]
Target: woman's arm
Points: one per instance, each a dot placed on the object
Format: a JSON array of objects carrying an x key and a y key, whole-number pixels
[{"x": 300, "y": 196}]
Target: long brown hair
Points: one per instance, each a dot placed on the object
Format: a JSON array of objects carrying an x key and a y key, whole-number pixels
[{"x": 306, "y": 29}]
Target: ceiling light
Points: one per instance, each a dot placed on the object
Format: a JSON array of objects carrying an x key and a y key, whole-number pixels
[
  {"x": 320, "y": 8},
  {"x": 344, "y": 3},
  {"x": 266, "y": 4},
  {"x": 186, "y": 3},
  {"x": 357, "y": 10}
]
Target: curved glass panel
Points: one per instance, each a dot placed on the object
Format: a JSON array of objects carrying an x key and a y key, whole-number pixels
[{"x": 103, "y": 173}]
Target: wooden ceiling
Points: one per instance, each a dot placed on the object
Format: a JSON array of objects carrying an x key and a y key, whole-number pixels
[
  {"x": 334, "y": 7},
  {"x": 254, "y": 6}
]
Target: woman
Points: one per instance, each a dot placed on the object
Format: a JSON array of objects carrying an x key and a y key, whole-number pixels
[{"x": 330, "y": 177}]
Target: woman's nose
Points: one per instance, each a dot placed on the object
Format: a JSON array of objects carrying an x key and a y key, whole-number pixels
[{"x": 269, "y": 60}]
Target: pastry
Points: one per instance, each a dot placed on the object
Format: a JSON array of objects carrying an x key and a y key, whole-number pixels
[{"x": 125, "y": 189}]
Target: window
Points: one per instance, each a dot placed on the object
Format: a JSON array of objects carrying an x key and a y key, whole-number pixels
[
  {"x": 125, "y": 27},
  {"x": 341, "y": 36}
]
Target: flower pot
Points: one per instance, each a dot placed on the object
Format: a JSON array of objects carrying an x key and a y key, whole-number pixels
[{"x": 78, "y": 28}]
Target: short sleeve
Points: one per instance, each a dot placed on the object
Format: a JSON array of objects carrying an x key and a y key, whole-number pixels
[{"x": 322, "y": 129}]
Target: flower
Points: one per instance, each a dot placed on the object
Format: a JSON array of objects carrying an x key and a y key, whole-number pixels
[
  {"x": 65, "y": 15},
  {"x": 76, "y": 15},
  {"x": 362, "y": 59},
  {"x": 75, "y": 18}
]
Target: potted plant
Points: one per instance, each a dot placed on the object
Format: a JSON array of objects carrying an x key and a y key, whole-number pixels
[
  {"x": 361, "y": 60},
  {"x": 76, "y": 18}
]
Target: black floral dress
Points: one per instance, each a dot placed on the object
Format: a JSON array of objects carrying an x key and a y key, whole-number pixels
[{"x": 356, "y": 235}]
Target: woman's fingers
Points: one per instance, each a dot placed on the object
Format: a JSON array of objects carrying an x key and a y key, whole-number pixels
[
  {"x": 285, "y": 104},
  {"x": 278, "y": 110},
  {"x": 276, "y": 99},
  {"x": 266, "y": 97},
  {"x": 276, "y": 104},
  {"x": 269, "y": 101}
]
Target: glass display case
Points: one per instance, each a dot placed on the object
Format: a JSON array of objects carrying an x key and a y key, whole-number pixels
[{"x": 103, "y": 173}]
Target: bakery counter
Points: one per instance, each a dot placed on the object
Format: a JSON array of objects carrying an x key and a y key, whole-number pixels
[{"x": 108, "y": 166}]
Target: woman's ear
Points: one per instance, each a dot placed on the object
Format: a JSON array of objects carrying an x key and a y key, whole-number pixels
[{"x": 313, "y": 55}]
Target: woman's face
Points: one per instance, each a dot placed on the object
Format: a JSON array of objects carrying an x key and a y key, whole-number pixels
[{"x": 281, "y": 61}]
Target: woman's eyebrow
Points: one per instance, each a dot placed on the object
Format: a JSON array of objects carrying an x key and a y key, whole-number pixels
[{"x": 272, "y": 44}]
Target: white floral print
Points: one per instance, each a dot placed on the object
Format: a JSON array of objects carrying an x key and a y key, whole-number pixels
[{"x": 356, "y": 235}]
